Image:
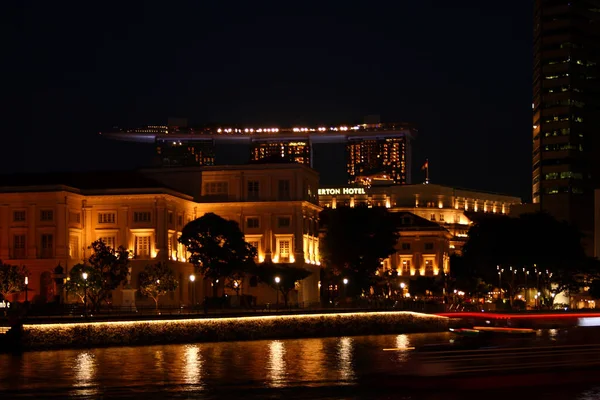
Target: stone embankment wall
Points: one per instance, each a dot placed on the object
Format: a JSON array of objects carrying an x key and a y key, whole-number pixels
[{"x": 128, "y": 333}]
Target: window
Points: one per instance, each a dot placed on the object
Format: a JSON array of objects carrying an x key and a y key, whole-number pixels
[
  {"x": 405, "y": 246},
  {"x": 283, "y": 222},
  {"x": 75, "y": 217},
  {"x": 255, "y": 244},
  {"x": 141, "y": 216},
  {"x": 180, "y": 220},
  {"x": 170, "y": 246},
  {"x": 253, "y": 223},
  {"x": 46, "y": 215},
  {"x": 432, "y": 217},
  {"x": 283, "y": 190},
  {"x": 284, "y": 249},
  {"x": 441, "y": 217},
  {"x": 74, "y": 247},
  {"x": 19, "y": 216},
  {"x": 170, "y": 217},
  {"x": 19, "y": 246},
  {"x": 47, "y": 246},
  {"x": 406, "y": 267},
  {"x": 428, "y": 267},
  {"x": 428, "y": 246},
  {"x": 109, "y": 241},
  {"x": 142, "y": 246},
  {"x": 106, "y": 218},
  {"x": 253, "y": 188},
  {"x": 212, "y": 188}
]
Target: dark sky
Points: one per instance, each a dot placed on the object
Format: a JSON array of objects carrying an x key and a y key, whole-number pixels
[{"x": 461, "y": 71}]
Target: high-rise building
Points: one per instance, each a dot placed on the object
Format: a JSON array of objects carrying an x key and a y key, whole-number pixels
[
  {"x": 384, "y": 158},
  {"x": 269, "y": 149},
  {"x": 566, "y": 111},
  {"x": 373, "y": 150}
]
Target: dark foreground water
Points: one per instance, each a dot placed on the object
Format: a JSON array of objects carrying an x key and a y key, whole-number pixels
[{"x": 330, "y": 368}]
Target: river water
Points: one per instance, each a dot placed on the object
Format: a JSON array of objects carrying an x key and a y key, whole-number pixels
[{"x": 324, "y": 368}]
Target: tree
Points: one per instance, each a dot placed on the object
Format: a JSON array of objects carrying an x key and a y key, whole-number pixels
[
  {"x": 157, "y": 280},
  {"x": 288, "y": 275},
  {"x": 218, "y": 249},
  {"x": 356, "y": 241},
  {"x": 107, "y": 269},
  {"x": 516, "y": 252},
  {"x": 12, "y": 279}
]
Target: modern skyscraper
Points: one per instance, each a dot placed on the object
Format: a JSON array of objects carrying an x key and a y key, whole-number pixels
[
  {"x": 372, "y": 150},
  {"x": 566, "y": 112}
]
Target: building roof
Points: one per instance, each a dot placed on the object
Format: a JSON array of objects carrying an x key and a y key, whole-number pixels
[
  {"x": 408, "y": 221},
  {"x": 88, "y": 182}
]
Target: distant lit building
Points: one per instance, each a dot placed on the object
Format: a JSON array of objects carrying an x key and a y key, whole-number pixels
[
  {"x": 379, "y": 156},
  {"x": 448, "y": 207},
  {"x": 373, "y": 149},
  {"x": 291, "y": 151}
]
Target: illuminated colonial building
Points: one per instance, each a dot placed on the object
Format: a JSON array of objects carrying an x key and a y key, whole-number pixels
[
  {"x": 49, "y": 220},
  {"x": 448, "y": 207},
  {"x": 372, "y": 149}
]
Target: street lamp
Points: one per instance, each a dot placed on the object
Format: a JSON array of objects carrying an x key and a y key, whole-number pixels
[
  {"x": 26, "y": 288},
  {"x": 85, "y": 276},
  {"x": 402, "y": 285},
  {"x": 192, "y": 279},
  {"x": 277, "y": 280}
]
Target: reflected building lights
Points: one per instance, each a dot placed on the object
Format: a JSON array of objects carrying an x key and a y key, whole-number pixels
[
  {"x": 276, "y": 363},
  {"x": 345, "y": 359},
  {"x": 192, "y": 372},
  {"x": 403, "y": 342},
  {"x": 85, "y": 372}
]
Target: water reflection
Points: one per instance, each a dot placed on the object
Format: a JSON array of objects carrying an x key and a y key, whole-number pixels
[
  {"x": 192, "y": 366},
  {"x": 205, "y": 368},
  {"x": 403, "y": 342},
  {"x": 276, "y": 367},
  {"x": 345, "y": 359},
  {"x": 85, "y": 373}
]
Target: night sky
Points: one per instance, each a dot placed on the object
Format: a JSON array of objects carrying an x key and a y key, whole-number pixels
[{"x": 461, "y": 71}]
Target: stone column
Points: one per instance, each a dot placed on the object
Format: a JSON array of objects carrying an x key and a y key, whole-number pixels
[
  {"x": 123, "y": 221},
  {"x": 298, "y": 236},
  {"x": 161, "y": 232},
  {"x": 4, "y": 239},
  {"x": 268, "y": 232},
  {"x": 88, "y": 236},
  {"x": 61, "y": 230},
  {"x": 32, "y": 218}
]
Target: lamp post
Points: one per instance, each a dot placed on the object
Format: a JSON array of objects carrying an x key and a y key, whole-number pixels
[
  {"x": 345, "y": 281},
  {"x": 85, "y": 276},
  {"x": 277, "y": 280},
  {"x": 26, "y": 289},
  {"x": 192, "y": 279}
]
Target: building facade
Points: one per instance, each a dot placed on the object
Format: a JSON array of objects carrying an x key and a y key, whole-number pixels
[
  {"x": 448, "y": 207},
  {"x": 566, "y": 109},
  {"x": 423, "y": 248},
  {"x": 42, "y": 226}
]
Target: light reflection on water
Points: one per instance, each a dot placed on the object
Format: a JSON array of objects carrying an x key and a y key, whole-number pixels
[
  {"x": 276, "y": 366},
  {"x": 201, "y": 369},
  {"x": 192, "y": 368}
]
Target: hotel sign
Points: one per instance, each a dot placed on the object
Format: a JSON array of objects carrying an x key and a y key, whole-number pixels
[{"x": 346, "y": 190}]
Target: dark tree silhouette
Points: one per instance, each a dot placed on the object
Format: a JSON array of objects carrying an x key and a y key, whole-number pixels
[
  {"x": 550, "y": 250},
  {"x": 107, "y": 269},
  {"x": 356, "y": 241},
  {"x": 288, "y": 275},
  {"x": 218, "y": 249}
]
